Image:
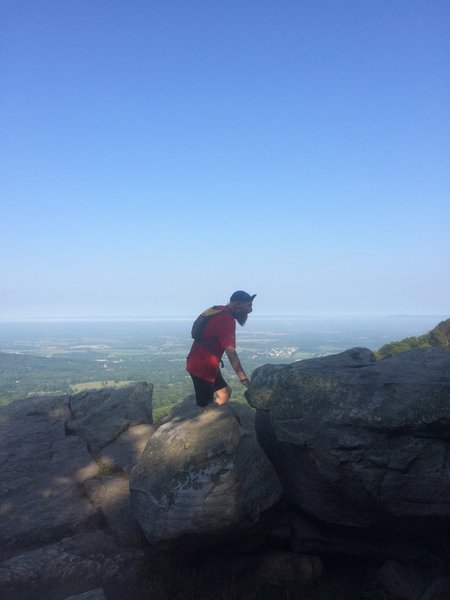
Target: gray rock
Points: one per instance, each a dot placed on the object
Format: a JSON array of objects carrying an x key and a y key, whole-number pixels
[
  {"x": 125, "y": 451},
  {"x": 203, "y": 475},
  {"x": 307, "y": 539},
  {"x": 100, "y": 417},
  {"x": 438, "y": 589},
  {"x": 75, "y": 563},
  {"x": 44, "y": 460},
  {"x": 50, "y": 491},
  {"x": 359, "y": 442},
  {"x": 281, "y": 567},
  {"x": 97, "y": 594},
  {"x": 41, "y": 470},
  {"x": 403, "y": 581},
  {"x": 111, "y": 495}
]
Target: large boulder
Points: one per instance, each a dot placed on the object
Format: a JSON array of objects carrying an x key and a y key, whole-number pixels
[
  {"x": 81, "y": 561},
  {"x": 63, "y": 480},
  {"x": 203, "y": 477},
  {"x": 42, "y": 470},
  {"x": 360, "y": 442}
]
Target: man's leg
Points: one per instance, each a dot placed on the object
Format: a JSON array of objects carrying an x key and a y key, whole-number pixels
[
  {"x": 223, "y": 396},
  {"x": 204, "y": 391},
  {"x": 222, "y": 389}
]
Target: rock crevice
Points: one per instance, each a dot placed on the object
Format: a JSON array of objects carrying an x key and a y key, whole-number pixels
[{"x": 54, "y": 498}]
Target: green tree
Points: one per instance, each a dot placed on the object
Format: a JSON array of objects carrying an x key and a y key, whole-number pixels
[{"x": 439, "y": 336}]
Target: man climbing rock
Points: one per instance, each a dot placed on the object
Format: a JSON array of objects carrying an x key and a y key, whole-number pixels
[{"x": 214, "y": 333}]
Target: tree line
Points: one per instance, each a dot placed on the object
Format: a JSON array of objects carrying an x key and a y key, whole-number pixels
[{"x": 439, "y": 336}]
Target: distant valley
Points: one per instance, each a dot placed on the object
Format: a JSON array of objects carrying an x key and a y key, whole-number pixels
[{"x": 38, "y": 358}]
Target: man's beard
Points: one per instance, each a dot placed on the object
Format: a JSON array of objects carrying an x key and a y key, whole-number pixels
[{"x": 241, "y": 318}]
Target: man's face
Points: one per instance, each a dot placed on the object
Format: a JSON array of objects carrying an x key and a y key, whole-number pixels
[
  {"x": 247, "y": 307},
  {"x": 241, "y": 310}
]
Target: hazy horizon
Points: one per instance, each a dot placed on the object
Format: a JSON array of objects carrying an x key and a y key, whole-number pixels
[{"x": 253, "y": 317}]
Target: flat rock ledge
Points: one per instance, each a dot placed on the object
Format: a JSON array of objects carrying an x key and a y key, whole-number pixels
[{"x": 354, "y": 444}]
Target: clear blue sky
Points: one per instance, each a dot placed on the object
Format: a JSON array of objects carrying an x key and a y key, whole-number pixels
[{"x": 158, "y": 155}]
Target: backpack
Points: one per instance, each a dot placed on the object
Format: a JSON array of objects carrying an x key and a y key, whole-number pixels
[{"x": 201, "y": 320}]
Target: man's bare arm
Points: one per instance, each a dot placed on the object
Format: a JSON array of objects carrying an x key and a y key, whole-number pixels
[{"x": 236, "y": 364}]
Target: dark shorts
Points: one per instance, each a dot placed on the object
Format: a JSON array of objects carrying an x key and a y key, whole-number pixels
[{"x": 204, "y": 390}]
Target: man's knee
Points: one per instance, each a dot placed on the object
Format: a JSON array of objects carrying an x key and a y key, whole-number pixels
[{"x": 223, "y": 395}]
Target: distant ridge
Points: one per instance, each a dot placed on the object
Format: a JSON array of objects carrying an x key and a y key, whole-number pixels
[{"x": 439, "y": 336}]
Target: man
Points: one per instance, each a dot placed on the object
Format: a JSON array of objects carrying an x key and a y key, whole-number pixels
[{"x": 217, "y": 336}]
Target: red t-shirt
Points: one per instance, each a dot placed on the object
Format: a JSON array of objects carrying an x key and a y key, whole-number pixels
[{"x": 218, "y": 333}]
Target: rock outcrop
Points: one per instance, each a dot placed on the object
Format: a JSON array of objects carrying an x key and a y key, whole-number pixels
[
  {"x": 66, "y": 522},
  {"x": 42, "y": 472},
  {"x": 347, "y": 445},
  {"x": 65, "y": 516},
  {"x": 360, "y": 442},
  {"x": 203, "y": 477}
]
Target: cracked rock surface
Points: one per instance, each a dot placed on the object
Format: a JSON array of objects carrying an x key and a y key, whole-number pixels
[
  {"x": 361, "y": 442},
  {"x": 41, "y": 469},
  {"x": 64, "y": 464}
]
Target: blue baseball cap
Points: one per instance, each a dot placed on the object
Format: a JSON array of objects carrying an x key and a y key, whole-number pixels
[{"x": 241, "y": 296}]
